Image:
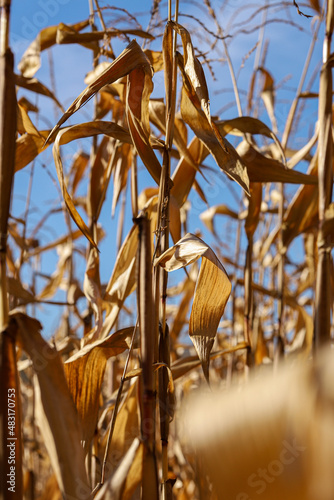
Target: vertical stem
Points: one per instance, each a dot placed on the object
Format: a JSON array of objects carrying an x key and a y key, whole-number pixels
[
  {"x": 134, "y": 186},
  {"x": 147, "y": 343},
  {"x": 10, "y": 437},
  {"x": 279, "y": 334},
  {"x": 248, "y": 301},
  {"x": 323, "y": 301}
]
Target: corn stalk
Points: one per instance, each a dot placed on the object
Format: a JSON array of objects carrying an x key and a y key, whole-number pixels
[
  {"x": 323, "y": 298},
  {"x": 147, "y": 343},
  {"x": 8, "y": 369}
]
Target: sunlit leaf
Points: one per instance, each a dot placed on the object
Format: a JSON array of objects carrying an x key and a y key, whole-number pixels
[
  {"x": 55, "y": 410},
  {"x": 85, "y": 372},
  {"x": 127, "y": 477},
  {"x": 129, "y": 59},
  {"x": 212, "y": 291},
  {"x": 254, "y": 209},
  {"x": 31, "y": 59},
  {"x": 260, "y": 168},
  {"x": 223, "y": 152}
]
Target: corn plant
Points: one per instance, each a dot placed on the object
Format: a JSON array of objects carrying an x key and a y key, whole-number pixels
[{"x": 100, "y": 400}]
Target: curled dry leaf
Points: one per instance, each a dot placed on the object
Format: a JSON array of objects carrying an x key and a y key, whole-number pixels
[
  {"x": 223, "y": 152},
  {"x": 17, "y": 290},
  {"x": 99, "y": 176},
  {"x": 302, "y": 212},
  {"x": 248, "y": 125},
  {"x": 24, "y": 123},
  {"x": 85, "y": 372},
  {"x": 55, "y": 410},
  {"x": 28, "y": 147},
  {"x": 129, "y": 59},
  {"x": 184, "y": 174},
  {"x": 36, "y": 86},
  {"x": 70, "y": 134},
  {"x": 139, "y": 88},
  {"x": 268, "y": 96},
  {"x": 213, "y": 289},
  {"x": 193, "y": 69},
  {"x": 254, "y": 209},
  {"x": 31, "y": 59},
  {"x": 263, "y": 169}
]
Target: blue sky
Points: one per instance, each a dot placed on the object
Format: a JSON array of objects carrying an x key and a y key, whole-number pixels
[{"x": 285, "y": 59}]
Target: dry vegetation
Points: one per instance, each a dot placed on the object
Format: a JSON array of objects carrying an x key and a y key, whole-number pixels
[{"x": 98, "y": 406}]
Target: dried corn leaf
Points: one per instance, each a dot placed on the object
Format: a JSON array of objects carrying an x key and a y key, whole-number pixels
[
  {"x": 223, "y": 152},
  {"x": 189, "y": 363},
  {"x": 157, "y": 111},
  {"x": 123, "y": 279},
  {"x": 100, "y": 176},
  {"x": 55, "y": 411},
  {"x": 302, "y": 212},
  {"x": 139, "y": 88},
  {"x": 277, "y": 434},
  {"x": 127, "y": 476},
  {"x": 31, "y": 59},
  {"x": 123, "y": 164},
  {"x": 70, "y": 134},
  {"x": 126, "y": 428},
  {"x": 28, "y": 147},
  {"x": 208, "y": 215},
  {"x": 315, "y": 4},
  {"x": 17, "y": 290},
  {"x": 180, "y": 316},
  {"x": 131, "y": 57},
  {"x": 248, "y": 125},
  {"x": 268, "y": 96},
  {"x": 36, "y": 86},
  {"x": 85, "y": 372},
  {"x": 107, "y": 102},
  {"x": 212, "y": 291},
  {"x": 155, "y": 58},
  {"x": 92, "y": 288},
  {"x": 260, "y": 168},
  {"x": 254, "y": 209},
  {"x": 193, "y": 69},
  {"x": 24, "y": 123},
  {"x": 80, "y": 162},
  {"x": 64, "y": 252},
  {"x": 184, "y": 175}
]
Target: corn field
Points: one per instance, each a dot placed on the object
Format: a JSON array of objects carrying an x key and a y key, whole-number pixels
[{"x": 166, "y": 252}]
